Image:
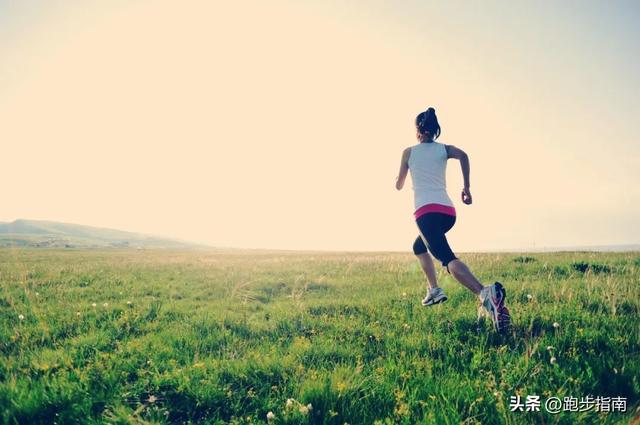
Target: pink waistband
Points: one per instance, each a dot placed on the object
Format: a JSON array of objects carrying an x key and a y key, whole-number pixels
[{"x": 439, "y": 208}]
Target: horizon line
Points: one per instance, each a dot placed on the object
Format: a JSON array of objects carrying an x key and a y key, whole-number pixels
[{"x": 615, "y": 247}]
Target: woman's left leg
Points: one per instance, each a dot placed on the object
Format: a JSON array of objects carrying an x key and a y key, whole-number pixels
[
  {"x": 429, "y": 269},
  {"x": 435, "y": 294},
  {"x": 433, "y": 227}
]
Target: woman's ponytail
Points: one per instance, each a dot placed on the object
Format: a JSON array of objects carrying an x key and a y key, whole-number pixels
[{"x": 427, "y": 123}]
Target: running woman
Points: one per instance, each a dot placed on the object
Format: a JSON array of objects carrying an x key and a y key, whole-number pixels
[{"x": 435, "y": 215}]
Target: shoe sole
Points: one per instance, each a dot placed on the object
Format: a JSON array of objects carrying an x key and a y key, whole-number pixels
[
  {"x": 438, "y": 301},
  {"x": 496, "y": 303},
  {"x": 504, "y": 319}
]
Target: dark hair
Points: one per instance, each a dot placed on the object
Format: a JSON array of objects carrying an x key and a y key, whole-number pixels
[{"x": 427, "y": 122}]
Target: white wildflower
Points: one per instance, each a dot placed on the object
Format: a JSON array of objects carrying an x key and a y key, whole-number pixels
[
  {"x": 309, "y": 407},
  {"x": 289, "y": 402},
  {"x": 105, "y": 305},
  {"x": 94, "y": 305},
  {"x": 78, "y": 313},
  {"x": 549, "y": 347},
  {"x": 152, "y": 399},
  {"x": 271, "y": 416},
  {"x": 128, "y": 302},
  {"x": 21, "y": 317},
  {"x": 553, "y": 360},
  {"x": 529, "y": 297},
  {"x": 556, "y": 325}
]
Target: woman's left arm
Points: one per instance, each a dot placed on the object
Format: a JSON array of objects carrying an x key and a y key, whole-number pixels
[{"x": 404, "y": 168}]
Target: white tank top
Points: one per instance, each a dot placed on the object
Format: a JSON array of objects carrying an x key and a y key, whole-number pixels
[{"x": 428, "y": 166}]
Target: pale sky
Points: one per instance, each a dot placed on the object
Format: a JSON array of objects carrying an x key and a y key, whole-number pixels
[{"x": 281, "y": 124}]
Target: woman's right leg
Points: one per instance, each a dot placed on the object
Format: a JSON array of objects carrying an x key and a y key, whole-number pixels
[
  {"x": 433, "y": 228},
  {"x": 461, "y": 272}
]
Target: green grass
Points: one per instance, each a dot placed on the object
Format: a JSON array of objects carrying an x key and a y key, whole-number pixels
[{"x": 204, "y": 337}]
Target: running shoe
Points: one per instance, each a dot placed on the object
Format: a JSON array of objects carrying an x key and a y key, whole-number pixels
[
  {"x": 435, "y": 296},
  {"x": 492, "y": 299}
]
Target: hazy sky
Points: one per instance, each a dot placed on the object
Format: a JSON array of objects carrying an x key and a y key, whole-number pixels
[{"x": 281, "y": 124}]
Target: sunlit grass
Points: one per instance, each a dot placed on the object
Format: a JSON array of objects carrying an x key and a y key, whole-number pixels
[{"x": 217, "y": 337}]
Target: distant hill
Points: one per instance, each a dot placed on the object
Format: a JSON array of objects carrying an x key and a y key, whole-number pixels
[{"x": 49, "y": 234}]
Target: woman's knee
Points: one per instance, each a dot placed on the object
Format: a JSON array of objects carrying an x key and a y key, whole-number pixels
[
  {"x": 452, "y": 266},
  {"x": 419, "y": 248},
  {"x": 447, "y": 258}
]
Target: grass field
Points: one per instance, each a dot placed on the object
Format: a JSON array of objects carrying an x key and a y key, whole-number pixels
[{"x": 322, "y": 338}]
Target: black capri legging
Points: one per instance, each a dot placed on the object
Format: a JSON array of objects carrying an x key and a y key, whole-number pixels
[{"x": 433, "y": 226}]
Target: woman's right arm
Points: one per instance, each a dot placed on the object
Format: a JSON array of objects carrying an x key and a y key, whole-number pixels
[{"x": 459, "y": 154}]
